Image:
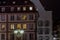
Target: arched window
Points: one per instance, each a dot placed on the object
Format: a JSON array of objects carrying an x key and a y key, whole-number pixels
[
  {"x": 46, "y": 23},
  {"x": 40, "y": 23}
]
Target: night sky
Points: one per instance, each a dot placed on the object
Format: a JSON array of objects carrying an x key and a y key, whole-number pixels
[{"x": 53, "y": 5}]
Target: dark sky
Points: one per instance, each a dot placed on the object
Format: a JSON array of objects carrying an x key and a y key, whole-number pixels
[
  {"x": 56, "y": 11},
  {"x": 53, "y": 5}
]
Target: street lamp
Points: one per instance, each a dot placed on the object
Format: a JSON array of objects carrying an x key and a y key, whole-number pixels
[
  {"x": 54, "y": 38},
  {"x": 19, "y": 33}
]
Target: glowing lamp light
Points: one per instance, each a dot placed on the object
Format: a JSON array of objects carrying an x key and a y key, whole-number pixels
[
  {"x": 54, "y": 38},
  {"x": 21, "y": 31},
  {"x": 15, "y": 31}
]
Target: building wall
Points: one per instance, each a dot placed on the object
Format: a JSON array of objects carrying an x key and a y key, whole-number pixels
[{"x": 44, "y": 27}]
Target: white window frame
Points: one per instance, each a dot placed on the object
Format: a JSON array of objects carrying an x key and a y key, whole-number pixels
[
  {"x": 3, "y": 9},
  {"x": 4, "y": 18}
]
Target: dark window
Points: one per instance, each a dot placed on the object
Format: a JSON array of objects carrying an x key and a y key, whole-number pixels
[
  {"x": 31, "y": 36},
  {"x": 11, "y": 36},
  {"x": 40, "y": 30},
  {"x": 2, "y": 17},
  {"x": 12, "y": 18},
  {"x": 46, "y": 23},
  {"x": 40, "y": 23},
  {"x": 46, "y": 37},
  {"x": 40, "y": 37},
  {"x": 46, "y": 30},
  {"x": 0, "y": 9},
  {"x": 15, "y": 9},
  {"x": 7, "y": 9},
  {"x": 2, "y": 36},
  {"x": 18, "y": 38},
  {"x": 30, "y": 17},
  {"x": 18, "y": 17},
  {"x": 25, "y": 37},
  {"x": 12, "y": 9},
  {"x": 31, "y": 26}
]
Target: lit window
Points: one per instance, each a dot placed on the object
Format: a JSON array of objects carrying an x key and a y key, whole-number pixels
[
  {"x": 18, "y": 26},
  {"x": 24, "y": 8},
  {"x": 30, "y": 8},
  {"x": 18, "y": 8},
  {"x": 24, "y": 17},
  {"x": 3, "y": 9},
  {"x": 13, "y": 2},
  {"x": 24, "y": 26},
  {"x": 3, "y": 26},
  {"x": 12, "y": 8},
  {"x": 12, "y": 26}
]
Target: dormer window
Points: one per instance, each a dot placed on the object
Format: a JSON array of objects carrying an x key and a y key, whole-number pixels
[
  {"x": 3, "y": 9},
  {"x": 24, "y": 8},
  {"x": 12, "y": 8},
  {"x": 4, "y": 2},
  {"x": 25, "y": 1},
  {"x": 18, "y": 8},
  {"x": 13, "y": 2},
  {"x": 30, "y": 8}
]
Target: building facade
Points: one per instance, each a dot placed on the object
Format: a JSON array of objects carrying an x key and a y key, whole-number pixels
[
  {"x": 44, "y": 22},
  {"x": 28, "y": 15},
  {"x": 17, "y": 15}
]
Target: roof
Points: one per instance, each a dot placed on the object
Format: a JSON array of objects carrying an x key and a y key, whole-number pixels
[{"x": 15, "y": 2}]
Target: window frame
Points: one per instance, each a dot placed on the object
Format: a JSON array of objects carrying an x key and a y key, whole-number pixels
[
  {"x": 2, "y": 18},
  {"x": 9, "y": 36},
  {"x": 1, "y": 26},
  {"x": 46, "y": 31},
  {"x": 4, "y": 34}
]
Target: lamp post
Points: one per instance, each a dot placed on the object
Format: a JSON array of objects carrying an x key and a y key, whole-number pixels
[{"x": 19, "y": 33}]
